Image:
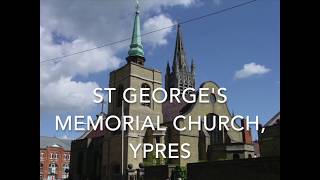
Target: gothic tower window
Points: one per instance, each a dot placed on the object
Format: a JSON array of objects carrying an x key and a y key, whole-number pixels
[
  {"x": 146, "y": 91},
  {"x": 119, "y": 95}
]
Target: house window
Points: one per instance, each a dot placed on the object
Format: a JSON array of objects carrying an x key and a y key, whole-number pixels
[
  {"x": 51, "y": 155},
  {"x": 65, "y": 172},
  {"x": 41, "y": 156},
  {"x": 146, "y": 91},
  {"x": 53, "y": 168},
  {"x": 66, "y": 157},
  {"x": 65, "y": 168},
  {"x": 55, "y": 156},
  {"x": 41, "y": 167}
]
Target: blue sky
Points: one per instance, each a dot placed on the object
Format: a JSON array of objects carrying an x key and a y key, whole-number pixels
[{"x": 220, "y": 45}]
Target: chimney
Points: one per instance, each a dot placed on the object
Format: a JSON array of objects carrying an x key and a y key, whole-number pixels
[{"x": 246, "y": 134}]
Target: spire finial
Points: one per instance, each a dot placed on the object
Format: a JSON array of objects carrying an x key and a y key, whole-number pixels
[{"x": 137, "y": 7}]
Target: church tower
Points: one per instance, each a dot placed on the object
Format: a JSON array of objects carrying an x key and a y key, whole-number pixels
[
  {"x": 134, "y": 75},
  {"x": 180, "y": 76}
]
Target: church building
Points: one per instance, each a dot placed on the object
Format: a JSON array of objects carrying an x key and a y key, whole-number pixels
[{"x": 99, "y": 154}]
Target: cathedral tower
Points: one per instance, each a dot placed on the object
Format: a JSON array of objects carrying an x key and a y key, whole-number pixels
[{"x": 180, "y": 76}]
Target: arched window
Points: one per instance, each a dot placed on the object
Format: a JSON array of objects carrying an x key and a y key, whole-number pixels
[
  {"x": 249, "y": 156},
  {"x": 65, "y": 173},
  {"x": 216, "y": 136},
  {"x": 41, "y": 166},
  {"x": 236, "y": 156},
  {"x": 146, "y": 91},
  {"x": 41, "y": 156},
  {"x": 202, "y": 146},
  {"x": 65, "y": 168},
  {"x": 53, "y": 168},
  {"x": 119, "y": 95}
]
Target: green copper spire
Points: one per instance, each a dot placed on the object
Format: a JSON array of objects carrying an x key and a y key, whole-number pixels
[{"x": 136, "y": 48}]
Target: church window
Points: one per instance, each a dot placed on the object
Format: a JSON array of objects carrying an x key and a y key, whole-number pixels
[
  {"x": 119, "y": 95},
  {"x": 216, "y": 134},
  {"x": 146, "y": 98},
  {"x": 212, "y": 98},
  {"x": 202, "y": 152}
]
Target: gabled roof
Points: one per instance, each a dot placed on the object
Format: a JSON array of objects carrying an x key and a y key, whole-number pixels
[
  {"x": 46, "y": 141},
  {"x": 95, "y": 133},
  {"x": 274, "y": 120},
  {"x": 170, "y": 110}
]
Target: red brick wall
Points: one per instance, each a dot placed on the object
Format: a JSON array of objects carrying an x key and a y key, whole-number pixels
[
  {"x": 246, "y": 134},
  {"x": 46, "y": 161}
]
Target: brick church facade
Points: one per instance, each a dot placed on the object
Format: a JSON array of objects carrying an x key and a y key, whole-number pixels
[{"x": 97, "y": 154}]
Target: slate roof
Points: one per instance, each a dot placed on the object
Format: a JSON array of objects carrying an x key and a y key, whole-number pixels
[
  {"x": 274, "y": 120},
  {"x": 173, "y": 109},
  {"x": 46, "y": 141}
]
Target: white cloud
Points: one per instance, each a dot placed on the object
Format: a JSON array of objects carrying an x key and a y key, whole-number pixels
[
  {"x": 66, "y": 95},
  {"x": 154, "y": 23},
  {"x": 83, "y": 24},
  {"x": 251, "y": 69}
]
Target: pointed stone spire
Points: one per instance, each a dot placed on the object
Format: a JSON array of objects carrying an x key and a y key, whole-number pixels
[
  {"x": 180, "y": 77},
  {"x": 193, "y": 67},
  {"x": 179, "y": 54},
  {"x": 135, "y": 53},
  {"x": 168, "y": 68}
]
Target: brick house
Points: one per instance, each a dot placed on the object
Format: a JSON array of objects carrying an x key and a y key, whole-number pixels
[{"x": 54, "y": 158}]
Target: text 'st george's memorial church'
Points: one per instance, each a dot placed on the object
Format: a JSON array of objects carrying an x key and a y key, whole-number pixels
[{"x": 98, "y": 154}]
